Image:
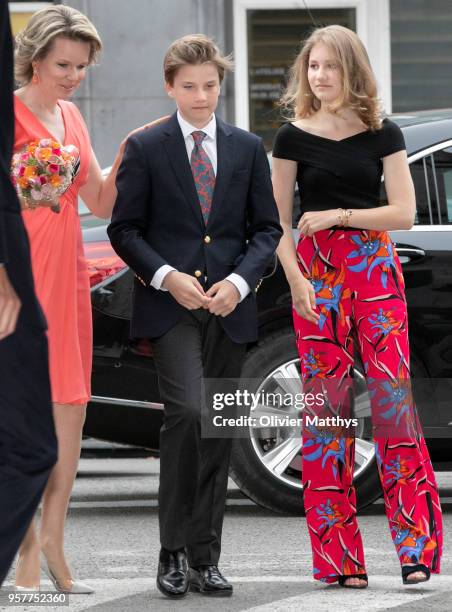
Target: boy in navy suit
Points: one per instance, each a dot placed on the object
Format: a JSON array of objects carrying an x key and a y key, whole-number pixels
[{"x": 196, "y": 220}]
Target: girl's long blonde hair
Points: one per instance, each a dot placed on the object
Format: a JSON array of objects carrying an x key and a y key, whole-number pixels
[{"x": 359, "y": 87}]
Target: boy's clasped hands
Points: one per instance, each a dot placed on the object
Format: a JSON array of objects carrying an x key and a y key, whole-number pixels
[{"x": 221, "y": 299}]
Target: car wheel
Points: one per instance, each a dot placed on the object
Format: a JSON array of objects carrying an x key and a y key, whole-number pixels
[{"x": 266, "y": 464}]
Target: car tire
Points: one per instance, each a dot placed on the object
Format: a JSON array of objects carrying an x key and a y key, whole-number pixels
[{"x": 247, "y": 468}]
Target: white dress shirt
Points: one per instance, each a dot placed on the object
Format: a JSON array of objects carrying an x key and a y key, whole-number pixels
[{"x": 209, "y": 144}]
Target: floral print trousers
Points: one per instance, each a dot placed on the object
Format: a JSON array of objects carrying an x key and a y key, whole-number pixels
[{"x": 359, "y": 288}]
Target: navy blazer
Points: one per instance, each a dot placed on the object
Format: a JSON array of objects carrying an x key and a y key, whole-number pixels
[
  {"x": 14, "y": 247},
  {"x": 157, "y": 220}
]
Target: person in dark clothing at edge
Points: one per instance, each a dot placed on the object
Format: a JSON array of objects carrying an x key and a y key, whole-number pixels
[{"x": 28, "y": 445}]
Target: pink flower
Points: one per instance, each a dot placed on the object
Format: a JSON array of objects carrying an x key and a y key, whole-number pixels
[
  {"x": 53, "y": 168},
  {"x": 42, "y": 180},
  {"x": 24, "y": 156},
  {"x": 56, "y": 151},
  {"x": 21, "y": 170}
]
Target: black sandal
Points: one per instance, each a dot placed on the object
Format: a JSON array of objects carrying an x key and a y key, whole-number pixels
[
  {"x": 410, "y": 569},
  {"x": 342, "y": 579}
]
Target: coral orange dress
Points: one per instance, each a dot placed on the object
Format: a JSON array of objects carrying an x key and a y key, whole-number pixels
[{"x": 59, "y": 267}]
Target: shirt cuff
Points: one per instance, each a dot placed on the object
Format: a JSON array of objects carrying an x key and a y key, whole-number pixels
[
  {"x": 159, "y": 277},
  {"x": 240, "y": 283}
]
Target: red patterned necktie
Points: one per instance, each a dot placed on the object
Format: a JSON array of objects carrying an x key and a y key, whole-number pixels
[{"x": 203, "y": 174}]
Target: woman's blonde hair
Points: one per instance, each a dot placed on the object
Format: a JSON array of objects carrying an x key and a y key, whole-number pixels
[
  {"x": 36, "y": 39},
  {"x": 194, "y": 49},
  {"x": 359, "y": 87}
]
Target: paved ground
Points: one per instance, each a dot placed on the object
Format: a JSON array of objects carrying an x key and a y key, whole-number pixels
[{"x": 112, "y": 541}]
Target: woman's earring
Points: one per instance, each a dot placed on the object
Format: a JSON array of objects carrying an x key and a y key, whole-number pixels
[{"x": 35, "y": 77}]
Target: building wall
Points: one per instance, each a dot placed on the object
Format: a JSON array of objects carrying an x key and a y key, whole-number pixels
[{"x": 126, "y": 89}]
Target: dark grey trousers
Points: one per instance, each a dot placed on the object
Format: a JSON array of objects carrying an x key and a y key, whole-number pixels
[{"x": 193, "y": 468}]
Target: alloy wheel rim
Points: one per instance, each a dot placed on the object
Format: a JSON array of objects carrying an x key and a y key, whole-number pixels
[{"x": 280, "y": 451}]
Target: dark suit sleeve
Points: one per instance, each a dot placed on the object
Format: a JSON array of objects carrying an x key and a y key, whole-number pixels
[
  {"x": 132, "y": 215},
  {"x": 7, "y": 194},
  {"x": 264, "y": 230},
  {"x": 3, "y": 253}
]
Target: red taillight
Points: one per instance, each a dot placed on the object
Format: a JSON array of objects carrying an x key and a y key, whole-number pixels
[{"x": 102, "y": 261}]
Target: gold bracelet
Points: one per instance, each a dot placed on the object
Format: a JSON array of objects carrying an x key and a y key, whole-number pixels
[
  {"x": 347, "y": 215},
  {"x": 340, "y": 217}
]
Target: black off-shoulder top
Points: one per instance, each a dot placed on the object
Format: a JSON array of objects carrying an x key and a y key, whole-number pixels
[{"x": 338, "y": 173}]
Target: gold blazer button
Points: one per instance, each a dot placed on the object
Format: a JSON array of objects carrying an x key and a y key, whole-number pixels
[
  {"x": 207, "y": 239},
  {"x": 198, "y": 273}
]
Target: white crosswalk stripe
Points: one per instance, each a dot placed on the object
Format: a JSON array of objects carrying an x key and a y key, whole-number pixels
[{"x": 384, "y": 593}]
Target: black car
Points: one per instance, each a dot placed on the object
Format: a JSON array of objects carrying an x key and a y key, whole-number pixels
[{"x": 266, "y": 464}]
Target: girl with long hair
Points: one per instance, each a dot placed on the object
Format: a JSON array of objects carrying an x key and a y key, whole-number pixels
[{"x": 348, "y": 292}]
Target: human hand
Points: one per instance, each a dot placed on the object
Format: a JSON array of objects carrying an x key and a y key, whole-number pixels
[
  {"x": 303, "y": 299},
  {"x": 225, "y": 297},
  {"x": 315, "y": 221},
  {"x": 146, "y": 126},
  {"x": 10, "y": 305},
  {"x": 186, "y": 290}
]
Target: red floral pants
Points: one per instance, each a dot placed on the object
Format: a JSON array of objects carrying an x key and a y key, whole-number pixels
[{"x": 360, "y": 298}]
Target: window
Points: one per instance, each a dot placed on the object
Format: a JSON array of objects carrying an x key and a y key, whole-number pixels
[
  {"x": 421, "y": 175},
  {"x": 421, "y": 54},
  {"x": 274, "y": 38},
  {"x": 426, "y": 208},
  {"x": 443, "y": 172}
]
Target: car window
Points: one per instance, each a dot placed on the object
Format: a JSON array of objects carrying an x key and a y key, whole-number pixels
[
  {"x": 421, "y": 173},
  {"x": 419, "y": 169},
  {"x": 443, "y": 173}
]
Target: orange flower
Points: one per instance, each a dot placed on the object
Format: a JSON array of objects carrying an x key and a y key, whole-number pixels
[
  {"x": 44, "y": 154},
  {"x": 55, "y": 180},
  {"x": 30, "y": 172},
  {"x": 23, "y": 182}
]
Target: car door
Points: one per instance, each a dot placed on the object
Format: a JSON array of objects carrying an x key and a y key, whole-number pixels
[{"x": 425, "y": 252}]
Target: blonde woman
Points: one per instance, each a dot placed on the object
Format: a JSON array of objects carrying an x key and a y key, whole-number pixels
[
  {"x": 346, "y": 283},
  {"x": 52, "y": 57}
]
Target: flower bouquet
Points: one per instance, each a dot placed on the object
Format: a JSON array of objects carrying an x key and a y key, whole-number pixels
[{"x": 43, "y": 171}]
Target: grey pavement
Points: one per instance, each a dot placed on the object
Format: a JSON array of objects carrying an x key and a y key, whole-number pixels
[{"x": 112, "y": 543}]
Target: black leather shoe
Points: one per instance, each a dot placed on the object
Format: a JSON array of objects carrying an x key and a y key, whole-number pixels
[
  {"x": 208, "y": 580},
  {"x": 172, "y": 575}
]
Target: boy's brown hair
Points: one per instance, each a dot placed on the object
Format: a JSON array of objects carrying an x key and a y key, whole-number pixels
[{"x": 194, "y": 49}]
